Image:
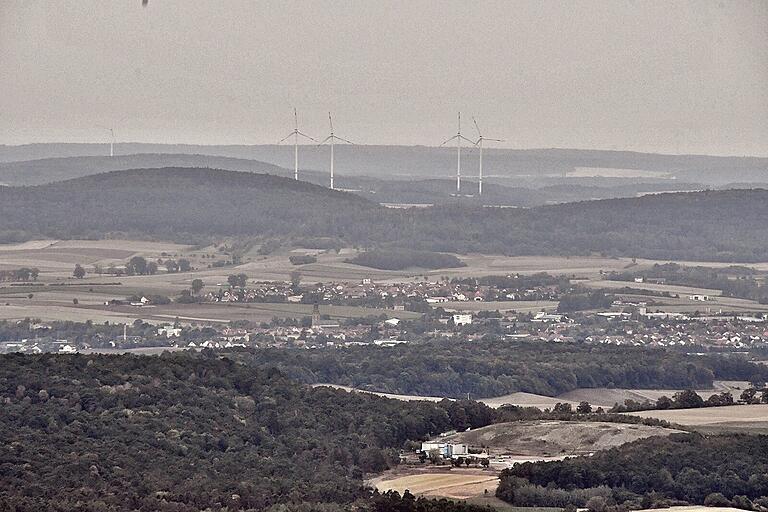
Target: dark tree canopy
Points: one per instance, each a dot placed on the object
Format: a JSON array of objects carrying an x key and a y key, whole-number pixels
[
  {"x": 198, "y": 204},
  {"x": 184, "y": 432}
]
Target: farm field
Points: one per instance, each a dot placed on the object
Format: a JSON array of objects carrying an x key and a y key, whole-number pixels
[
  {"x": 606, "y": 398},
  {"x": 525, "y": 400},
  {"x": 734, "y": 417},
  {"x": 54, "y": 293},
  {"x": 521, "y": 306},
  {"x": 583, "y": 266},
  {"x": 49, "y": 313},
  {"x": 520, "y": 398},
  {"x": 555, "y": 438},
  {"x": 597, "y": 397},
  {"x": 48, "y": 309},
  {"x": 439, "y": 482},
  {"x": 680, "y": 304},
  {"x": 495, "y": 503},
  {"x": 669, "y": 288},
  {"x": 606, "y": 172},
  {"x": 57, "y": 258}
]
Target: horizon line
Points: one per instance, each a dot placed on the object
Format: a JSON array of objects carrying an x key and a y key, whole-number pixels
[{"x": 447, "y": 148}]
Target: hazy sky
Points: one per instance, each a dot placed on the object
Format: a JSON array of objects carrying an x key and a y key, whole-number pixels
[{"x": 647, "y": 75}]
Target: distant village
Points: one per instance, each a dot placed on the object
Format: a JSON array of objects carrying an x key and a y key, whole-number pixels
[{"x": 443, "y": 311}]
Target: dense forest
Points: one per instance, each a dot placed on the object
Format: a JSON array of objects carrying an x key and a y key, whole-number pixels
[
  {"x": 729, "y": 470},
  {"x": 494, "y": 368},
  {"x": 197, "y": 204},
  {"x": 184, "y": 432}
]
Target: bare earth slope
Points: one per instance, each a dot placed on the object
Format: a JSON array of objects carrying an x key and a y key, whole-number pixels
[{"x": 551, "y": 438}]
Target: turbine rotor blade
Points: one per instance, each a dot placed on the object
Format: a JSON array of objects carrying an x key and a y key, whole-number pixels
[
  {"x": 306, "y": 136},
  {"x": 286, "y": 137},
  {"x": 477, "y": 127},
  {"x": 448, "y": 140},
  {"x": 344, "y": 140}
]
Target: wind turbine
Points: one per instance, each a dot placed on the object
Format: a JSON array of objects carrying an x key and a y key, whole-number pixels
[
  {"x": 459, "y": 137},
  {"x": 111, "y": 141},
  {"x": 332, "y": 139},
  {"x": 479, "y": 144},
  {"x": 295, "y": 133}
]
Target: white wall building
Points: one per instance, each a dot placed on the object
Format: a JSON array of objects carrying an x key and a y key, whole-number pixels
[{"x": 462, "y": 319}]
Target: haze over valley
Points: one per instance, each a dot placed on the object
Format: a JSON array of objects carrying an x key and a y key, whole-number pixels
[{"x": 413, "y": 257}]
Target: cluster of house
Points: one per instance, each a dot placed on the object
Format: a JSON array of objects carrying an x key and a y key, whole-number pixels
[
  {"x": 38, "y": 345},
  {"x": 658, "y": 329},
  {"x": 726, "y": 332},
  {"x": 373, "y": 293}
]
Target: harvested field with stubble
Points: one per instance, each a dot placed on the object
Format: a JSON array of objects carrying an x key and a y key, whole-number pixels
[
  {"x": 439, "y": 482},
  {"x": 520, "y": 306},
  {"x": 57, "y": 258},
  {"x": 606, "y": 398},
  {"x": 555, "y": 438},
  {"x": 733, "y": 417}
]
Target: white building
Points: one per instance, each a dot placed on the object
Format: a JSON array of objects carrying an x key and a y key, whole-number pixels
[
  {"x": 446, "y": 450},
  {"x": 543, "y": 317},
  {"x": 462, "y": 319},
  {"x": 169, "y": 331}
]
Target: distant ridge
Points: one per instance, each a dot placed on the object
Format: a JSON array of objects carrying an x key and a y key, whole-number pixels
[
  {"x": 394, "y": 161},
  {"x": 197, "y": 204},
  {"x": 47, "y": 170},
  {"x": 520, "y": 192}
]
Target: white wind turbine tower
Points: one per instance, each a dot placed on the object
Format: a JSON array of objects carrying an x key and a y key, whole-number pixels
[
  {"x": 332, "y": 139},
  {"x": 295, "y": 134},
  {"x": 459, "y": 137},
  {"x": 479, "y": 144},
  {"x": 111, "y": 140}
]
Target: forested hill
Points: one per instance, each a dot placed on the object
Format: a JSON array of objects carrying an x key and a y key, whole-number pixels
[
  {"x": 177, "y": 202},
  {"x": 723, "y": 225},
  {"x": 183, "y": 433},
  {"x": 184, "y": 204},
  {"x": 47, "y": 170}
]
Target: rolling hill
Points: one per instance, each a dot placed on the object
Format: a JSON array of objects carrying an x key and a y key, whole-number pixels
[
  {"x": 421, "y": 161},
  {"x": 176, "y": 202},
  {"x": 48, "y": 170},
  {"x": 501, "y": 191},
  {"x": 186, "y": 204}
]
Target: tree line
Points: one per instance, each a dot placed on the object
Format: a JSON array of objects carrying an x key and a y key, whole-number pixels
[{"x": 487, "y": 368}]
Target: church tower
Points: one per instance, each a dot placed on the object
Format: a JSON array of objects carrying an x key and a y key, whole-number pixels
[{"x": 316, "y": 315}]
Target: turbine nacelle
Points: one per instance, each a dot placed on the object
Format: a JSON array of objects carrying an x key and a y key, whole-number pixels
[
  {"x": 295, "y": 134},
  {"x": 331, "y": 139}
]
